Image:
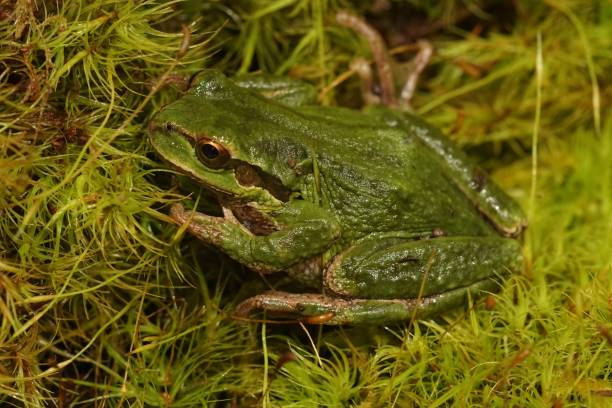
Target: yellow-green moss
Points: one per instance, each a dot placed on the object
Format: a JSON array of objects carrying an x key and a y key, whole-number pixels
[{"x": 102, "y": 304}]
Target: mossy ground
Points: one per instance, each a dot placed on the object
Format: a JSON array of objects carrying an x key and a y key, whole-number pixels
[{"x": 103, "y": 304}]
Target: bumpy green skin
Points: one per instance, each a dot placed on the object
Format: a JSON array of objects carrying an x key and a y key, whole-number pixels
[{"x": 379, "y": 212}]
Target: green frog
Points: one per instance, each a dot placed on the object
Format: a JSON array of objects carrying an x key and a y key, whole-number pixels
[{"x": 381, "y": 215}]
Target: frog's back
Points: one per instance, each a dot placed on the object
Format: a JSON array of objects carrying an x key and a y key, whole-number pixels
[
  {"x": 379, "y": 178},
  {"x": 371, "y": 170}
]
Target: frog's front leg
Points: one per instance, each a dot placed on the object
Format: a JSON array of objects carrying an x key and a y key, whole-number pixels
[
  {"x": 305, "y": 232},
  {"x": 324, "y": 309}
]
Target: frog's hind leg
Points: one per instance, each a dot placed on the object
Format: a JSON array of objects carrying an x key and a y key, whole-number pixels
[
  {"x": 388, "y": 268},
  {"x": 492, "y": 202},
  {"x": 321, "y": 309}
]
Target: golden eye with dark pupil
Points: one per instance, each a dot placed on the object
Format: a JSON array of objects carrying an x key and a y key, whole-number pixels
[
  {"x": 210, "y": 151},
  {"x": 212, "y": 154}
]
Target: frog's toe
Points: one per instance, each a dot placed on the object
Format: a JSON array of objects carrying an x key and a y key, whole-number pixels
[
  {"x": 177, "y": 212},
  {"x": 285, "y": 304}
]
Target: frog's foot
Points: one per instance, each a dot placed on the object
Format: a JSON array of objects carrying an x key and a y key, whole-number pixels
[
  {"x": 382, "y": 61},
  {"x": 321, "y": 309},
  {"x": 362, "y": 67},
  {"x": 418, "y": 64},
  {"x": 379, "y": 51}
]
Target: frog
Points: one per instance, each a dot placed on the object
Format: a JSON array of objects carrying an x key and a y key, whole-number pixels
[{"x": 375, "y": 210}]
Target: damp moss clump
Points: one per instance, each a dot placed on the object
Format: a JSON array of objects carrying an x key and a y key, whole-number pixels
[{"x": 104, "y": 302}]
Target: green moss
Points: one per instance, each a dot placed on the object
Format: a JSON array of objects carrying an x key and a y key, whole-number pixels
[{"x": 103, "y": 304}]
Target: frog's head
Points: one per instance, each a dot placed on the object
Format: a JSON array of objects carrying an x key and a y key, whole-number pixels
[{"x": 230, "y": 140}]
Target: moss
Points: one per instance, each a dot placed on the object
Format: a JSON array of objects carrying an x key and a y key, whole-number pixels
[{"x": 103, "y": 303}]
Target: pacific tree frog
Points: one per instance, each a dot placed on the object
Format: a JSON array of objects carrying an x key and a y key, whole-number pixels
[{"x": 375, "y": 210}]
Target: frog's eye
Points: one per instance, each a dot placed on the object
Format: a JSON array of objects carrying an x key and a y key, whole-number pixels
[{"x": 211, "y": 154}]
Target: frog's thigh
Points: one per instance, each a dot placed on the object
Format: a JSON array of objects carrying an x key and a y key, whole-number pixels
[
  {"x": 373, "y": 270},
  {"x": 322, "y": 309},
  {"x": 489, "y": 198}
]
